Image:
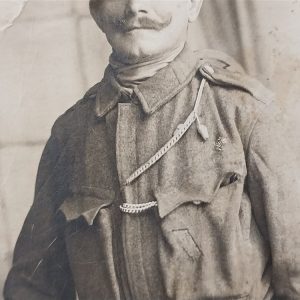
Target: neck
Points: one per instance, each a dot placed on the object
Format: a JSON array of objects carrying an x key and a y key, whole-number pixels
[{"x": 131, "y": 75}]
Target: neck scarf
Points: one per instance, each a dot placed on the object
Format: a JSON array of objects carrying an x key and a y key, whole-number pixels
[{"x": 131, "y": 75}]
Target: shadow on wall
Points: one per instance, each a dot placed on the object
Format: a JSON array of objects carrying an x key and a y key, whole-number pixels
[{"x": 53, "y": 52}]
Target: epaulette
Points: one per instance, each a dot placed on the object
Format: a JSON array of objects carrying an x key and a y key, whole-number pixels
[{"x": 222, "y": 70}]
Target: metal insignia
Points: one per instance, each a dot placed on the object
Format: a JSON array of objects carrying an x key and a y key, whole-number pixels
[{"x": 220, "y": 143}]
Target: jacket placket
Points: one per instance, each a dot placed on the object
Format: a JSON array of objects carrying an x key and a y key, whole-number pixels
[{"x": 126, "y": 158}]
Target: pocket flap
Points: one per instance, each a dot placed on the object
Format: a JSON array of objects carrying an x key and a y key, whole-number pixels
[
  {"x": 86, "y": 203},
  {"x": 170, "y": 200}
]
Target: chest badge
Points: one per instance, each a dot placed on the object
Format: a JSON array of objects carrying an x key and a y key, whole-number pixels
[{"x": 220, "y": 143}]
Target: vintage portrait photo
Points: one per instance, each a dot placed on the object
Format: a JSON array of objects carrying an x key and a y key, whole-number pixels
[{"x": 149, "y": 149}]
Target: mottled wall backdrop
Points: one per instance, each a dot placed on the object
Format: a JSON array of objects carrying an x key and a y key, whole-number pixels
[{"x": 51, "y": 52}]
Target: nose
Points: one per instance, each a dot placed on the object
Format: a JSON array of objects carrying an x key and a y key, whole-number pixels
[{"x": 136, "y": 7}]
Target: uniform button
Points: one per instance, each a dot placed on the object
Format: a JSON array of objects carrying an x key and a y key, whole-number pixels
[
  {"x": 208, "y": 69},
  {"x": 197, "y": 202}
]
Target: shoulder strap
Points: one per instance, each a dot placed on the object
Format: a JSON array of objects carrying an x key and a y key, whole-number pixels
[{"x": 223, "y": 70}]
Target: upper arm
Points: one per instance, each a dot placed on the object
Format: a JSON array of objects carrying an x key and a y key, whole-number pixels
[
  {"x": 274, "y": 190},
  {"x": 40, "y": 265}
]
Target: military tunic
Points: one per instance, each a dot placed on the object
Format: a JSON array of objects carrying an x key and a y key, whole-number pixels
[{"x": 214, "y": 214}]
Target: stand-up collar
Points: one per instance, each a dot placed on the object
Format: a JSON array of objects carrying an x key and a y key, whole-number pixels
[{"x": 155, "y": 91}]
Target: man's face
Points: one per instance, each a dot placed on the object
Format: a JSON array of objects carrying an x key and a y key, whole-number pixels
[{"x": 139, "y": 30}]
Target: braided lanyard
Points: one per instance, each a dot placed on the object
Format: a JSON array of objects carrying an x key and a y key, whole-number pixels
[{"x": 178, "y": 134}]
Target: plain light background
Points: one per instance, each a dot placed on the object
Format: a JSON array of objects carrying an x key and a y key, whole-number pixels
[{"x": 51, "y": 52}]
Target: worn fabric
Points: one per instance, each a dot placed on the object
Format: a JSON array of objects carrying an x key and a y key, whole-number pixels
[{"x": 227, "y": 221}]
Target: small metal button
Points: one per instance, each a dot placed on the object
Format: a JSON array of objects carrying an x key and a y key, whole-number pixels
[
  {"x": 197, "y": 202},
  {"x": 208, "y": 69}
]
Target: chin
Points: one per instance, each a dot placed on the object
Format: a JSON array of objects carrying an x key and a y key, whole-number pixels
[
  {"x": 132, "y": 54},
  {"x": 137, "y": 48}
]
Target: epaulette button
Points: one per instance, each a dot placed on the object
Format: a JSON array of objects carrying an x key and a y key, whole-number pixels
[{"x": 207, "y": 68}]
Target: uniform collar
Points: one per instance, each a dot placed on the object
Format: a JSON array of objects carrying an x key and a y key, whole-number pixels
[{"x": 155, "y": 91}]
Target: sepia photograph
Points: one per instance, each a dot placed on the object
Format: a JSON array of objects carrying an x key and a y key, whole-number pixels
[{"x": 150, "y": 149}]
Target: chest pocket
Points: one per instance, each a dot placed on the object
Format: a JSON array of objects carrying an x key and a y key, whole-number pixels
[
  {"x": 88, "y": 214},
  {"x": 90, "y": 242},
  {"x": 190, "y": 201},
  {"x": 204, "y": 239},
  {"x": 86, "y": 203}
]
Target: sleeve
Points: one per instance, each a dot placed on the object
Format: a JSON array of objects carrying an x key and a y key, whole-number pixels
[
  {"x": 40, "y": 267},
  {"x": 274, "y": 189}
]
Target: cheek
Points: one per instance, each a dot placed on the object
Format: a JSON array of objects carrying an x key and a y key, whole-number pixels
[
  {"x": 106, "y": 11},
  {"x": 177, "y": 11},
  {"x": 170, "y": 6}
]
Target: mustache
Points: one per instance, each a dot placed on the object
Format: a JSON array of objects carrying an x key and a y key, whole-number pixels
[{"x": 127, "y": 24}]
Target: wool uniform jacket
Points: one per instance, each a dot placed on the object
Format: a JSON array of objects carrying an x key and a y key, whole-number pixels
[{"x": 186, "y": 190}]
